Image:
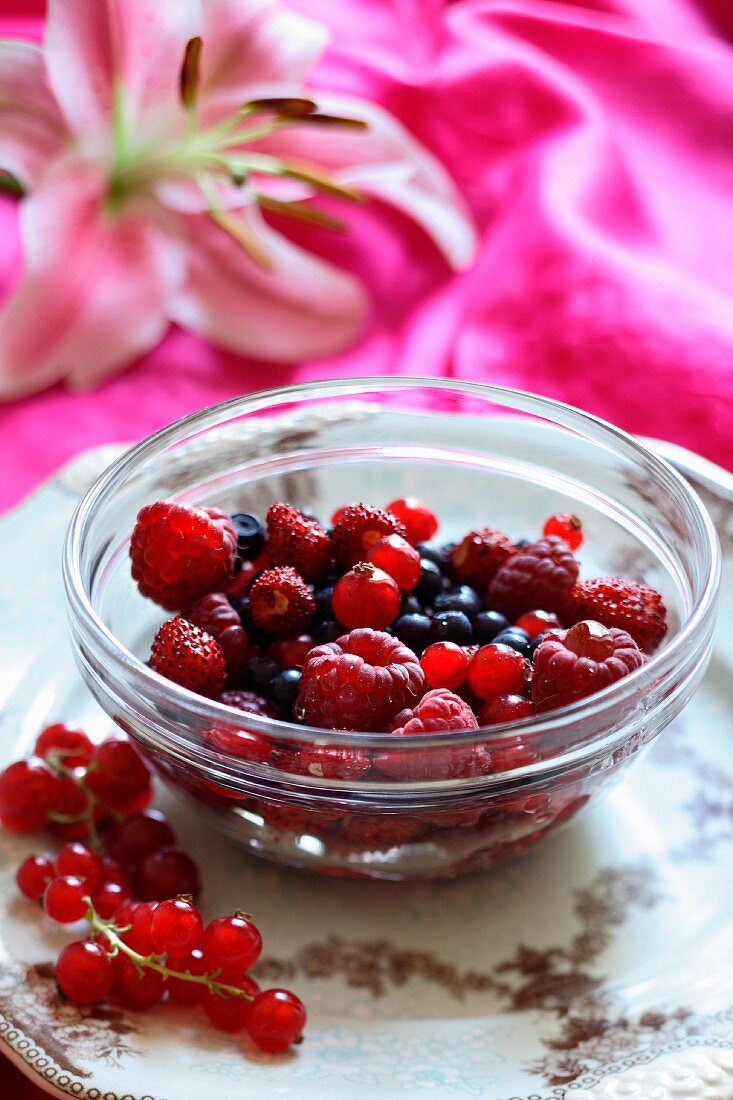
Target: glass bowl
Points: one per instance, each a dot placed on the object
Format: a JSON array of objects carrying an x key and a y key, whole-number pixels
[{"x": 359, "y": 803}]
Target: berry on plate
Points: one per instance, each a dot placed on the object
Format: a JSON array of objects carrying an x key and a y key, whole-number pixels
[
  {"x": 179, "y": 554},
  {"x": 539, "y": 575},
  {"x": 280, "y": 601},
  {"x": 189, "y": 656},
  {"x": 627, "y": 605},
  {"x": 572, "y": 664},
  {"x": 359, "y": 682}
]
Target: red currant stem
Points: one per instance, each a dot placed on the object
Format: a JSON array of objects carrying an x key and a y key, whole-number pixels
[
  {"x": 111, "y": 932},
  {"x": 55, "y": 760}
]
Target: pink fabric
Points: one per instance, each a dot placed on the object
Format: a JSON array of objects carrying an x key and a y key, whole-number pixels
[{"x": 594, "y": 143}]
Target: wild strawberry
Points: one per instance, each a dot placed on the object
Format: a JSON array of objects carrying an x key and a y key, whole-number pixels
[
  {"x": 478, "y": 556},
  {"x": 627, "y": 605},
  {"x": 356, "y": 528},
  {"x": 215, "y": 615},
  {"x": 294, "y": 540},
  {"x": 189, "y": 656},
  {"x": 280, "y": 601}
]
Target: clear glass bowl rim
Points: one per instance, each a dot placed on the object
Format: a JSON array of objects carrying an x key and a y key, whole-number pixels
[{"x": 120, "y": 663}]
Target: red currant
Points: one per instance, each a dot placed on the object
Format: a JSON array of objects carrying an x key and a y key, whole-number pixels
[
  {"x": 232, "y": 943},
  {"x": 276, "y": 1020},
  {"x": 187, "y": 993},
  {"x": 292, "y": 652},
  {"x": 138, "y": 835},
  {"x": 566, "y": 527},
  {"x": 28, "y": 790},
  {"x": 33, "y": 876},
  {"x": 77, "y": 859},
  {"x": 510, "y": 754},
  {"x": 166, "y": 874},
  {"x": 176, "y": 927},
  {"x": 108, "y": 899},
  {"x": 140, "y": 918},
  {"x": 398, "y": 559},
  {"x": 134, "y": 989},
  {"x": 118, "y": 777},
  {"x": 71, "y": 801},
  {"x": 445, "y": 665},
  {"x": 231, "y": 1013},
  {"x": 366, "y": 596},
  {"x": 63, "y": 899},
  {"x": 505, "y": 708},
  {"x": 421, "y": 524},
  {"x": 536, "y": 622},
  {"x": 84, "y": 972},
  {"x": 114, "y": 872},
  {"x": 71, "y": 746},
  {"x": 496, "y": 670}
]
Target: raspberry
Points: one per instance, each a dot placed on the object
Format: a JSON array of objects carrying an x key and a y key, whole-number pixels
[
  {"x": 356, "y": 528},
  {"x": 294, "y": 540},
  {"x": 366, "y": 596},
  {"x": 189, "y": 656},
  {"x": 420, "y": 523},
  {"x": 475, "y": 560},
  {"x": 568, "y": 528},
  {"x": 179, "y": 554},
  {"x": 250, "y": 702},
  {"x": 359, "y": 682},
  {"x": 439, "y": 710},
  {"x": 324, "y": 761},
  {"x": 620, "y": 603},
  {"x": 576, "y": 663},
  {"x": 244, "y": 744},
  {"x": 280, "y": 601},
  {"x": 539, "y": 575},
  {"x": 214, "y": 614}
]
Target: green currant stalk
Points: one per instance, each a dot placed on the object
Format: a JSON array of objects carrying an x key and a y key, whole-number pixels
[
  {"x": 110, "y": 930},
  {"x": 55, "y": 761}
]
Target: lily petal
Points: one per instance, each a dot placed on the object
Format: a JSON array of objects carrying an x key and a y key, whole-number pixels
[
  {"x": 385, "y": 161},
  {"x": 98, "y": 49},
  {"x": 249, "y": 48},
  {"x": 32, "y": 130},
  {"x": 296, "y": 308},
  {"x": 94, "y": 293}
]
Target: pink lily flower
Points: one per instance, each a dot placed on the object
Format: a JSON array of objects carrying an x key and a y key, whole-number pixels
[{"x": 148, "y": 138}]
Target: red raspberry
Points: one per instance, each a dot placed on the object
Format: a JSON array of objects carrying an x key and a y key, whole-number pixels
[
  {"x": 359, "y": 682},
  {"x": 477, "y": 557},
  {"x": 280, "y": 601},
  {"x": 381, "y": 831},
  {"x": 244, "y": 744},
  {"x": 625, "y": 604},
  {"x": 324, "y": 761},
  {"x": 179, "y": 554},
  {"x": 366, "y": 596},
  {"x": 356, "y": 528},
  {"x": 215, "y": 615},
  {"x": 294, "y": 540},
  {"x": 189, "y": 656},
  {"x": 420, "y": 523},
  {"x": 567, "y": 527},
  {"x": 580, "y": 661},
  {"x": 439, "y": 710},
  {"x": 539, "y": 575},
  {"x": 249, "y": 702}
]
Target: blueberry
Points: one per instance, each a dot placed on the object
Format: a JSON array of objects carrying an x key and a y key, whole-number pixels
[
  {"x": 439, "y": 555},
  {"x": 414, "y": 631},
  {"x": 255, "y": 634},
  {"x": 515, "y": 639},
  {"x": 250, "y": 535},
  {"x": 259, "y": 673},
  {"x": 536, "y": 642},
  {"x": 486, "y": 625},
  {"x": 283, "y": 689},
  {"x": 328, "y": 632},
  {"x": 463, "y": 598},
  {"x": 521, "y": 543},
  {"x": 324, "y": 607},
  {"x": 410, "y": 605},
  {"x": 451, "y": 626},
  {"x": 430, "y": 583}
]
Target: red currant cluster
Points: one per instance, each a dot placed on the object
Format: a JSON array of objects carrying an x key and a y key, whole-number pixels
[{"x": 136, "y": 890}]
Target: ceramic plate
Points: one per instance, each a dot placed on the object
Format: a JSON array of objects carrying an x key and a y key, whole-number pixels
[{"x": 599, "y": 966}]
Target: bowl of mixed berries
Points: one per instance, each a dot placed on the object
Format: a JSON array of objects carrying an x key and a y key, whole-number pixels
[{"x": 391, "y": 628}]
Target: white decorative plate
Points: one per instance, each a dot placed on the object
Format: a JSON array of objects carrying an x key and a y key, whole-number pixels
[{"x": 599, "y": 966}]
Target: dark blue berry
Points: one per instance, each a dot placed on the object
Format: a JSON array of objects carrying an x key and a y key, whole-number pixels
[
  {"x": 414, "y": 631},
  {"x": 250, "y": 535},
  {"x": 324, "y": 606},
  {"x": 463, "y": 598},
  {"x": 328, "y": 632},
  {"x": 521, "y": 543},
  {"x": 430, "y": 583},
  {"x": 537, "y": 642},
  {"x": 283, "y": 690},
  {"x": 486, "y": 625},
  {"x": 410, "y": 605},
  {"x": 515, "y": 638},
  {"x": 451, "y": 626},
  {"x": 259, "y": 673}
]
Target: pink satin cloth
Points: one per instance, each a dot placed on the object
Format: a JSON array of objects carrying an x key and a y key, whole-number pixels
[{"x": 594, "y": 144}]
